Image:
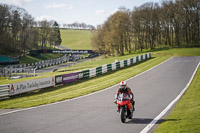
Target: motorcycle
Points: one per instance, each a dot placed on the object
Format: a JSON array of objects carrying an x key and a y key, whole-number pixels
[{"x": 124, "y": 106}]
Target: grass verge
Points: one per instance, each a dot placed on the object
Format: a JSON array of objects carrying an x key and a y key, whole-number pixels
[
  {"x": 92, "y": 63},
  {"x": 185, "y": 118},
  {"x": 80, "y": 88},
  {"x": 83, "y": 87}
]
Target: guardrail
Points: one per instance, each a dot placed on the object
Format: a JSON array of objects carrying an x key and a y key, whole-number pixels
[
  {"x": 4, "y": 90},
  {"x": 113, "y": 66},
  {"x": 32, "y": 85},
  {"x": 25, "y": 68}
]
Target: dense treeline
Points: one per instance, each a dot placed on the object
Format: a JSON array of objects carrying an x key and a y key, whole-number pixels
[
  {"x": 172, "y": 23},
  {"x": 77, "y": 25},
  {"x": 19, "y": 32}
]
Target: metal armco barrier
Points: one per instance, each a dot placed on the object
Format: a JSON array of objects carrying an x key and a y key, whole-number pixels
[
  {"x": 31, "y": 85},
  {"x": 4, "y": 90}
]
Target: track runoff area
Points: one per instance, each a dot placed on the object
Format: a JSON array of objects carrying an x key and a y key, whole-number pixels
[{"x": 155, "y": 90}]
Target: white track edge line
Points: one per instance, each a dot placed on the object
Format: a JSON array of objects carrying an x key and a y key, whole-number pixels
[
  {"x": 154, "y": 121},
  {"x": 19, "y": 110}
]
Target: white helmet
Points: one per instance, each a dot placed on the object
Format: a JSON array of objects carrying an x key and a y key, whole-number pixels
[{"x": 122, "y": 84}]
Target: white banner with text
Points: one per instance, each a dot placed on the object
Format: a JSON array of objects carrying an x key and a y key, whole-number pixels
[{"x": 31, "y": 85}]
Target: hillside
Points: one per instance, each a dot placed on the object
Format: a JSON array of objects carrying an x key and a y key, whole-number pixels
[{"x": 76, "y": 39}]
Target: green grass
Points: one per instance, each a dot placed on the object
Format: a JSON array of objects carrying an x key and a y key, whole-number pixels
[
  {"x": 185, "y": 118},
  {"x": 180, "y": 52},
  {"x": 83, "y": 87},
  {"x": 29, "y": 59},
  {"x": 92, "y": 63},
  {"x": 76, "y": 39}
]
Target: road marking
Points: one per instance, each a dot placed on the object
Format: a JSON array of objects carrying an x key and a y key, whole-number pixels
[
  {"x": 154, "y": 121},
  {"x": 19, "y": 110}
]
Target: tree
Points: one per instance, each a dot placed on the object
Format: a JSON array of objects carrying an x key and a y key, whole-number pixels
[
  {"x": 45, "y": 30},
  {"x": 56, "y": 34},
  {"x": 19, "y": 33},
  {"x": 114, "y": 35},
  {"x": 5, "y": 36},
  {"x": 172, "y": 23}
]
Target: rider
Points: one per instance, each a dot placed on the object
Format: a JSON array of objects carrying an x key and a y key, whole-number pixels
[{"x": 125, "y": 89}]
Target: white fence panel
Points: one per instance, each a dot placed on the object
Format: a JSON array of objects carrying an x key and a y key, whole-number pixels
[
  {"x": 139, "y": 58},
  {"x": 144, "y": 57},
  {"x": 134, "y": 60},
  {"x": 122, "y": 64},
  {"x": 114, "y": 66},
  {"x": 129, "y": 62},
  {"x": 104, "y": 69},
  {"x": 92, "y": 72}
]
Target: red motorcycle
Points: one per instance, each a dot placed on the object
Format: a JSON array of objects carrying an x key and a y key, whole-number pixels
[{"x": 124, "y": 107}]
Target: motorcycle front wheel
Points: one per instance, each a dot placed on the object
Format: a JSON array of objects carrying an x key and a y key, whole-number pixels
[{"x": 122, "y": 115}]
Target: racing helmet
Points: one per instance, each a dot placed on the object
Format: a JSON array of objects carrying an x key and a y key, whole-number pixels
[{"x": 122, "y": 84}]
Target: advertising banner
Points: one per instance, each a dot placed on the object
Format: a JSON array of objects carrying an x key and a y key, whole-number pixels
[
  {"x": 36, "y": 52},
  {"x": 72, "y": 51},
  {"x": 31, "y": 85},
  {"x": 71, "y": 77}
]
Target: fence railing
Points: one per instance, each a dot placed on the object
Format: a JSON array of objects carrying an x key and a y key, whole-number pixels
[
  {"x": 31, "y": 85},
  {"x": 4, "y": 90},
  {"x": 113, "y": 66},
  {"x": 29, "y": 68}
]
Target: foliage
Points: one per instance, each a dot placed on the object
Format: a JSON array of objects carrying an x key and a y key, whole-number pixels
[
  {"x": 77, "y": 25},
  {"x": 19, "y": 32},
  {"x": 56, "y": 34},
  {"x": 172, "y": 23}
]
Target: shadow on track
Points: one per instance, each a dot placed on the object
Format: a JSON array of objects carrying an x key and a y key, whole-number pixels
[{"x": 148, "y": 120}]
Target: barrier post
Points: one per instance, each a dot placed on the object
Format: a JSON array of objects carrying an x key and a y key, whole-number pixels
[
  {"x": 109, "y": 67},
  {"x": 131, "y": 61},
  {"x": 86, "y": 74},
  {"x": 118, "y": 65},
  {"x": 125, "y": 63},
  {"x": 137, "y": 59},
  {"x": 141, "y": 57},
  {"x": 99, "y": 70}
]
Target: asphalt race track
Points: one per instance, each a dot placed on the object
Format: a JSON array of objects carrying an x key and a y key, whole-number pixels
[{"x": 96, "y": 113}]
